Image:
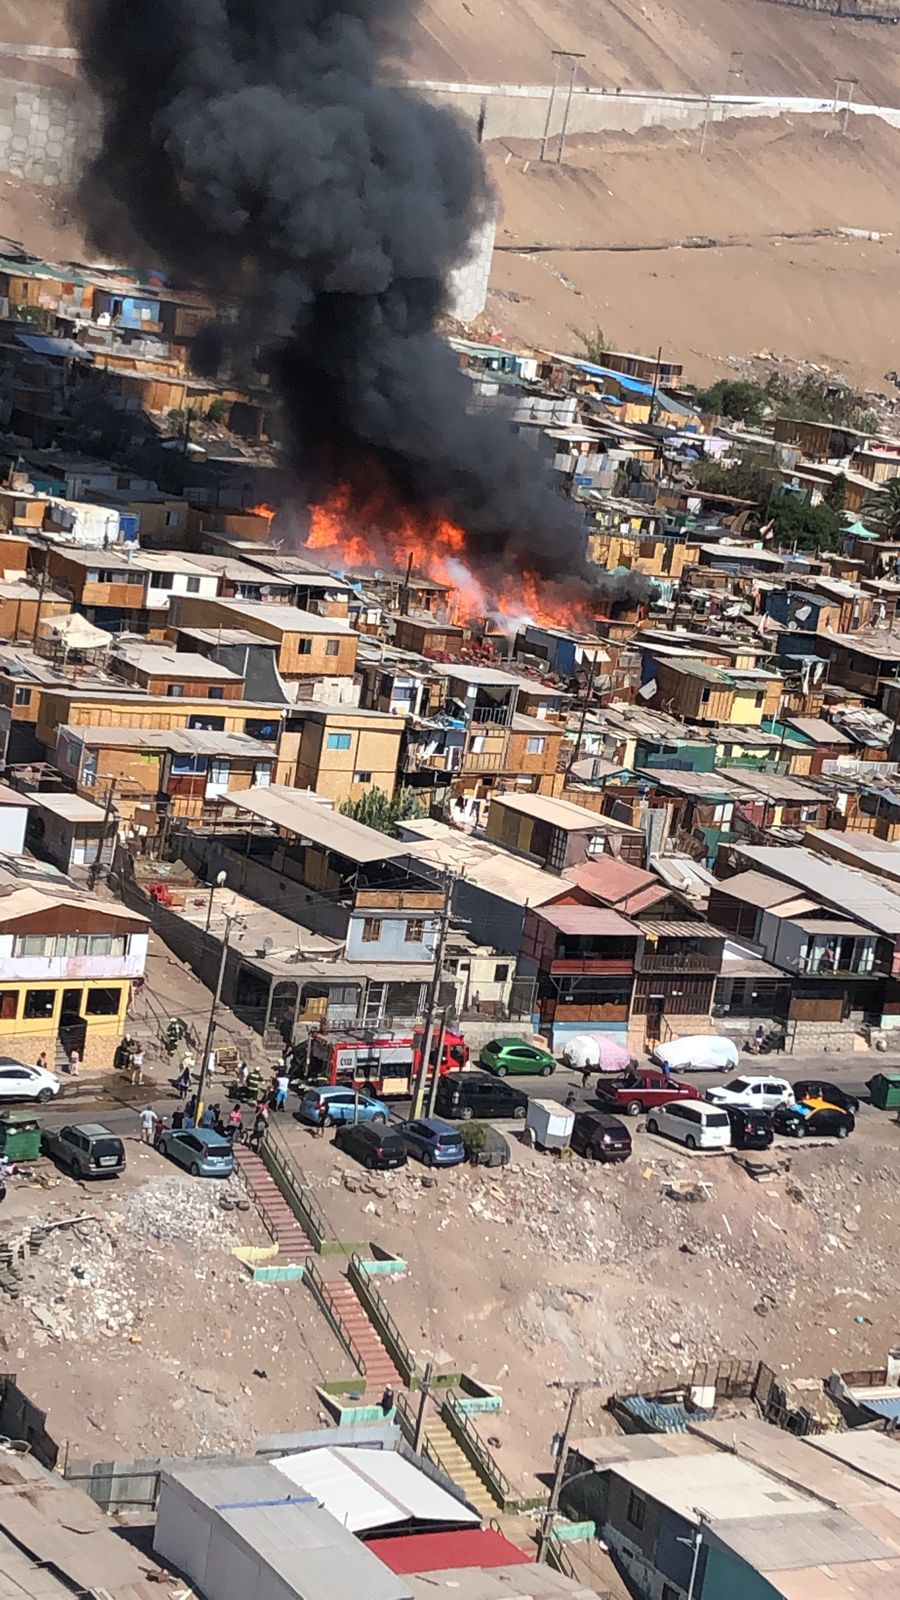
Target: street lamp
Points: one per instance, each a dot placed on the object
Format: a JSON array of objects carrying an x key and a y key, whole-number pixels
[{"x": 220, "y": 879}]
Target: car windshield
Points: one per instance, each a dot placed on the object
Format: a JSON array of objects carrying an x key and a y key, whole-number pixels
[
  {"x": 449, "y": 1138},
  {"x": 738, "y": 1085},
  {"x": 106, "y": 1147}
]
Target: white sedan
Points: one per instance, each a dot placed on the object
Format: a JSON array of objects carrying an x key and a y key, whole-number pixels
[
  {"x": 754, "y": 1091},
  {"x": 18, "y": 1082}
]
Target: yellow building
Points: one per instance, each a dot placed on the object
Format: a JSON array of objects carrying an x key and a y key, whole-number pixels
[
  {"x": 67, "y": 964},
  {"x": 341, "y": 752}
]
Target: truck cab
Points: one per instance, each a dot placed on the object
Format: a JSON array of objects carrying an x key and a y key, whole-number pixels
[{"x": 639, "y": 1089}]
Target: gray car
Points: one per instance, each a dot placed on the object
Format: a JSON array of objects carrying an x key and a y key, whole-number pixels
[
  {"x": 87, "y": 1148},
  {"x": 203, "y": 1151},
  {"x": 433, "y": 1141}
]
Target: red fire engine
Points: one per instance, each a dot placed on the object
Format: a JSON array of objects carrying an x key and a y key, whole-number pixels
[{"x": 383, "y": 1063}]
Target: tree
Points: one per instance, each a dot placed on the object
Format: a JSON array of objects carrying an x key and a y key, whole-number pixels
[
  {"x": 748, "y": 479},
  {"x": 377, "y": 810},
  {"x": 884, "y": 508},
  {"x": 595, "y": 345},
  {"x": 835, "y": 495},
  {"x": 220, "y": 410},
  {"x": 742, "y": 401},
  {"x": 808, "y": 527}
]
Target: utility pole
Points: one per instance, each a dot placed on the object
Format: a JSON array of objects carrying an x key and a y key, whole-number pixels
[
  {"x": 436, "y": 1075},
  {"x": 424, "y": 1392},
  {"x": 550, "y": 103},
  {"x": 42, "y": 584},
  {"x": 97, "y": 862},
  {"x": 584, "y": 711},
  {"x": 211, "y": 1024},
  {"x": 219, "y": 880},
  {"x": 431, "y": 1004},
  {"x": 575, "y": 1392},
  {"x": 574, "y": 58}
]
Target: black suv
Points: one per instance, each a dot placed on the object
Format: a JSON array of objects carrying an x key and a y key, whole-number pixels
[
  {"x": 87, "y": 1148},
  {"x": 751, "y": 1129},
  {"x": 463, "y": 1095},
  {"x": 371, "y": 1143}
]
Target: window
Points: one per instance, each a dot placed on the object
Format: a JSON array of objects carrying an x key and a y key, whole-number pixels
[
  {"x": 535, "y": 747},
  {"x": 501, "y": 972},
  {"x": 39, "y": 1003},
  {"x": 338, "y": 741},
  {"x": 92, "y": 575},
  {"x": 304, "y": 647},
  {"x": 216, "y": 692},
  {"x": 9, "y": 1003},
  {"x": 759, "y": 699},
  {"x": 133, "y": 578},
  {"x": 415, "y": 931},
  {"x": 637, "y": 1509},
  {"x": 808, "y": 813},
  {"x": 103, "y": 1002},
  {"x": 187, "y": 766},
  {"x": 193, "y": 585},
  {"x": 262, "y": 774},
  {"x": 207, "y": 724},
  {"x": 371, "y": 930},
  {"x": 362, "y": 776},
  {"x": 161, "y": 580},
  {"x": 22, "y": 697},
  {"x": 332, "y": 647},
  {"x": 30, "y": 944},
  {"x": 172, "y": 519},
  {"x": 175, "y": 691}
]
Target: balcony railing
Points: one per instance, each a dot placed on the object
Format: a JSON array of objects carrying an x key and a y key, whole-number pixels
[
  {"x": 686, "y": 961},
  {"x": 482, "y": 761}
]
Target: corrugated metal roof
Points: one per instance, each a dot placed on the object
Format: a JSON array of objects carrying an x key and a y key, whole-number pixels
[
  {"x": 367, "y": 1489},
  {"x": 817, "y": 729},
  {"x": 306, "y": 816},
  {"x": 659, "y": 928},
  {"x": 756, "y": 889},
  {"x": 561, "y": 813},
  {"x": 821, "y": 1536},
  {"x": 883, "y": 1408},
  {"x": 614, "y": 881},
  {"x": 435, "y": 1552},
  {"x": 842, "y": 887},
  {"x": 658, "y": 1416},
  {"x": 588, "y": 920}
]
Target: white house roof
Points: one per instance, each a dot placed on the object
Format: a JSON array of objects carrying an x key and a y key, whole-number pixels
[{"x": 372, "y": 1488}]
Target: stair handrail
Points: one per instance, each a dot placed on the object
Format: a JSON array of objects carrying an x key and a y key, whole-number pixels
[
  {"x": 488, "y": 1461},
  {"x": 313, "y": 1277},
  {"x": 274, "y": 1149},
  {"x": 407, "y": 1422},
  {"x": 367, "y": 1291}
]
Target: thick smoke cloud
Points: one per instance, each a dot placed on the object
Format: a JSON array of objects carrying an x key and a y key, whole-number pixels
[{"x": 251, "y": 147}]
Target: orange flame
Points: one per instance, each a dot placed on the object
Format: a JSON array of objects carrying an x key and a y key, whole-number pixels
[
  {"x": 379, "y": 535},
  {"x": 269, "y": 512}
]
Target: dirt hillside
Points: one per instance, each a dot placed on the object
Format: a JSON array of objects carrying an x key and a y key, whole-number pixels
[{"x": 625, "y": 216}]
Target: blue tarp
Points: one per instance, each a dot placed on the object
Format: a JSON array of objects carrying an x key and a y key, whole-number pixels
[{"x": 658, "y": 1416}]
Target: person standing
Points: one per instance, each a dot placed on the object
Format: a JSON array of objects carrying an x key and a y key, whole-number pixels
[
  {"x": 281, "y": 1089},
  {"x": 149, "y": 1120},
  {"x": 137, "y": 1064},
  {"x": 41, "y": 1062},
  {"x": 74, "y": 1063}
]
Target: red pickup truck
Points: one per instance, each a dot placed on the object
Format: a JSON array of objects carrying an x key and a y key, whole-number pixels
[{"x": 638, "y": 1090}]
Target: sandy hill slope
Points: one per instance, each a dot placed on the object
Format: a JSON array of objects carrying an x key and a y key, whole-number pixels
[
  {"x": 713, "y": 255},
  {"x": 646, "y": 44}
]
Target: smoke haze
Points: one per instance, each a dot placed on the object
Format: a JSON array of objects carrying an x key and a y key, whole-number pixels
[{"x": 250, "y": 147}]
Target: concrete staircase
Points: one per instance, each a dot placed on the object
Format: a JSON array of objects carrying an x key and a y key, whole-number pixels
[
  {"x": 278, "y": 1218},
  {"x": 350, "y": 1315},
  {"x": 457, "y": 1466}
]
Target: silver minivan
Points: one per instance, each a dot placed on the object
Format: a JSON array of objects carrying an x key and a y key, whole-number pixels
[{"x": 693, "y": 1123}]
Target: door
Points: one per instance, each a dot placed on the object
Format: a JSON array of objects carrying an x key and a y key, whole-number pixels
[{"x": 72, "y": 1026}]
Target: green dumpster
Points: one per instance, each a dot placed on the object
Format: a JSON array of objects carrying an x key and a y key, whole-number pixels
[
  {"x": 884, "y": 1089},
  {"x": 20, "y": 1138}
]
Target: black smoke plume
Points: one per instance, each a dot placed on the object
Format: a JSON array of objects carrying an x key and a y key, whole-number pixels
[{"x": 252, "y": 147}]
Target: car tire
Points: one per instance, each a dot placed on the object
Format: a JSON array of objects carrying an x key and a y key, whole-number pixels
[
  {"x": 842, "y": 1131},
  {"x": 44, "y": 1096},
  {"x": 520, "y": 1113},
  {"x": 634, "y": 1109},
  {"x": 501, "y": 1070},
  {"x": 800, "y": 1131},
  {"x": 370, "y": 1162},
  {"x": 194, "y": 1169},
  {"x": 378, "y": 1117},
  {"x": 466, "y": 1114},
  {"x": 652, "y": 1125},
  {"x": 427, "y": 1158},
  {"x": 690, "y": 1142}
]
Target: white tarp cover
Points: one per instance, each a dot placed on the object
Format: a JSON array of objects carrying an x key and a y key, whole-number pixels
[{"x": 371, "y": 1488}]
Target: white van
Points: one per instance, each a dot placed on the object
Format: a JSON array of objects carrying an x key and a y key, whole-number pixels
[{"x": 692, "y": 1122}]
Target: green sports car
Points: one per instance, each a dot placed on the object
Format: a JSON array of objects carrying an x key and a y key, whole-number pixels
[{"x": 514, "y": 1055}]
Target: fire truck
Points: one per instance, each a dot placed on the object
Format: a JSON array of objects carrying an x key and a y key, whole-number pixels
[{"x": 383, "y": 1063}]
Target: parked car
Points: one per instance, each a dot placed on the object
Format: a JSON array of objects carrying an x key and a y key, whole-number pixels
[
  {"x": 327, "y": 1103},
  {"x": 600, "y": 1137},
  {"x": 463, "y": 1095},
  {"x": 750, "y": 1130},
  {"x": 372, "y": 1143},
  {"x": 754, "y": 1090},
  {"x": 694, "y": 1123},
  {"x": 87, "y": 1148},
  {"x": 697, "y": 1052},
  {"x": 203, "y": 1151},
  {"x": 818, "y": 1089},
  {"x": 18, "y": 1082},
  {"x": 639, "y": 1090},
  {"x": 433, "y": 1141},
  {"x": 514, "y": 1055},
  {"x": 814, "y": 1119}
]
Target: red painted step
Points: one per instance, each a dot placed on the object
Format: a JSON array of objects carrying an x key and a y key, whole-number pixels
[
  {"x": 277, "y": 1216},
  {"x": 379, "y": 1367}
]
